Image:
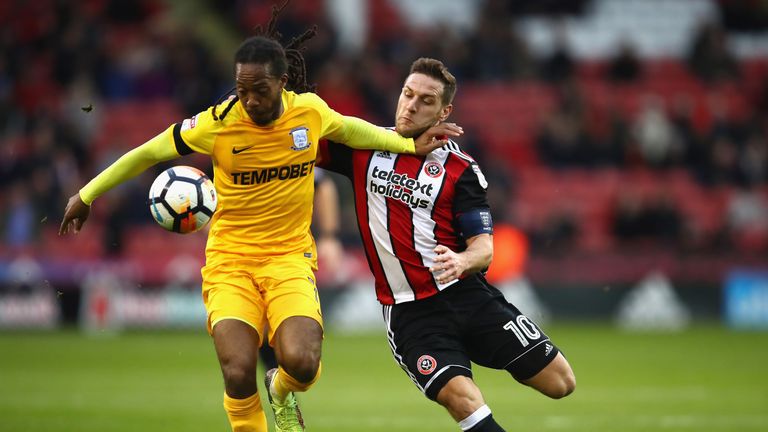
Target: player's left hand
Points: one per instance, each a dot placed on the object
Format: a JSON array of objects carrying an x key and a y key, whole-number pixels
[
  {"x": 436, "y": 136},
  {"x": 448, "y": 265}
]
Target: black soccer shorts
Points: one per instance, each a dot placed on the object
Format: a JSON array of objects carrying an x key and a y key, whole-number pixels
[{"x": 437, "y": 338}]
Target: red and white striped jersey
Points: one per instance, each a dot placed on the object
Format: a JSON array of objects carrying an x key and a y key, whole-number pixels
[{"x": 406, "y": 205}]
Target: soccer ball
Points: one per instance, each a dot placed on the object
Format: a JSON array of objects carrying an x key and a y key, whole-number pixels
[{"x": 182, "y": 199}]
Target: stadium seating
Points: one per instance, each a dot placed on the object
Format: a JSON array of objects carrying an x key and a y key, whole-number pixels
[
  {"x": 120, "y": 130},
  {"x": 506, "y": 118}
]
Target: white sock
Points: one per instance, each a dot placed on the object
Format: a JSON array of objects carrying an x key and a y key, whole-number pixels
[{"x": 475, "y": 418}]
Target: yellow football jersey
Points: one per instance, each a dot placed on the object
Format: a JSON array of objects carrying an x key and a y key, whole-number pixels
[{"x": 263, "y": 175}]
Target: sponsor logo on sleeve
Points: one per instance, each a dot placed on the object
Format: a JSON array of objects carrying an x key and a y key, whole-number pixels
[{"x": 189, "y": 123}]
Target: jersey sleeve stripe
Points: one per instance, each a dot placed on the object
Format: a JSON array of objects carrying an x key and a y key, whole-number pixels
[
  {"x": 455, "y": 149},
  {"x": 181, "y": 147}
]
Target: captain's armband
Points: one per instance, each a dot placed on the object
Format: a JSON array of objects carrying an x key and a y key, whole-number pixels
[{"x": 475, "y": 222}]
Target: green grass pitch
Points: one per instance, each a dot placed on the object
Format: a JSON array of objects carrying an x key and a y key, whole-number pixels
[{"x": 705, "y": 379}]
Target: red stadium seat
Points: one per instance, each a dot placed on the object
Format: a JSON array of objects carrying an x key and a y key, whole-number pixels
[
  {"x": 84, "y": 246},
  {"x": 150, "y": 249},
  {"x": 130, "y": 124}
]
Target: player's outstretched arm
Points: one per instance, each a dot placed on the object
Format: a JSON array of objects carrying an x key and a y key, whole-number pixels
[
  {"x": 131, "y": 164},
  {"x": 360, "y": 134}
]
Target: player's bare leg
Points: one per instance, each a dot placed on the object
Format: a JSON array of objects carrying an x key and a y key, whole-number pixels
[
  {"x": 463, "y": 400},
  {"x": 556, "y": 380},
  {"x": 298, "y": 344},
  {"x": 237, "y": 345},
  {"x": 461, "y": 397}
]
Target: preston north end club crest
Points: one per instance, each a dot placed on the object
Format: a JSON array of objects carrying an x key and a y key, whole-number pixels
[{"x": 300, "y": 138}]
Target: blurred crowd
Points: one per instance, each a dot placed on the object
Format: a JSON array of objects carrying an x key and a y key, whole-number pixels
[{"x": 62, "y": 64}]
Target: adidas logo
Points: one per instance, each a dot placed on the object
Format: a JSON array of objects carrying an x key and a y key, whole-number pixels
[{"x": 547, "y": 349}]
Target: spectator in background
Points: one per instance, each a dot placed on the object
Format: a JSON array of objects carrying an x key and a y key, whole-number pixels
[
  {"x": 694, "y": 149},
  {"x": 724, "y": 121},
  {"x": 559, "y": 65},
  {"x": 563, "y": 140},
  {"x": 658, "y": 144},
  {"x": 323, "y": 47},
  {"x": 753, "y": 159},
  {"x": 498, "y": 52},
  {"x": 197, "y": 79},
  {"x": 75, "y": 53},
  {"x": 664, "y": 219},
  {"x": 619, "y": 137},
  {"x": 627, "y": 217},
  {"x": 377, "y": 79},
  {"x": 121, "y": 212},
  {"x": 18, "y": 218},
  {"x": 560, "y": 140},
  {"x": 722, "y": 163},
  {"x": 338, "y": 85},
  {"x": 625, "y": 66},
  {"x": 453, "y": 47},
  {"x": 647, "y": 221},
  {"x": 709, "y": 56},
  {"x": 558, "y": 234},
  {"x": 761, "y": 103},
  {"x": 6, "y": 92},
  {"x": 747, "y": 219},
  {"x": 81, "y": 126}
]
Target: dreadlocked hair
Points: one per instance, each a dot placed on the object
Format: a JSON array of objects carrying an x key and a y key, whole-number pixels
[{"x": 265, "y": 48}]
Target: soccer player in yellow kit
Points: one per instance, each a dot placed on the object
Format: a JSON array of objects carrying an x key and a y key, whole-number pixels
[{"x": 260, "y": 255}]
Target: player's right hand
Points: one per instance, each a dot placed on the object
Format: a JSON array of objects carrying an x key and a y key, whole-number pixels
[
  {"x": 436, "y": 136},
  {"x": 449, "y": 265},
  {"x": 75, "y": 215}
]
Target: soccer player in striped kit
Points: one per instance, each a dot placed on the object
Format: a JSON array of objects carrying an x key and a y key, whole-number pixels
[{"x": 426, "y": 229}]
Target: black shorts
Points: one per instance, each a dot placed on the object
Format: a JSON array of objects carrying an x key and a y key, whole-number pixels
[{"x": 437, "y": 338}]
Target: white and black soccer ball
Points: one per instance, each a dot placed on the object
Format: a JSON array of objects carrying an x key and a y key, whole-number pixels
[{"x": 182, "y": 199}]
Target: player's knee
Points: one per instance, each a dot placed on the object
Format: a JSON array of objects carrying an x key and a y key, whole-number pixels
[
  {"x": 569, "y": 381},
  {"x": 299, "y": 344},
  {"x": 302, "y": 364},
  {"x": 556, "y": 380},
  {"x": 562, "y": 386},
  {"x": 239, "y": 377}
]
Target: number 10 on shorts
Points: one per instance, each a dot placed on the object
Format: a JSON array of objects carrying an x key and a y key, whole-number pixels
[{"x": 524, "y": 329}]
